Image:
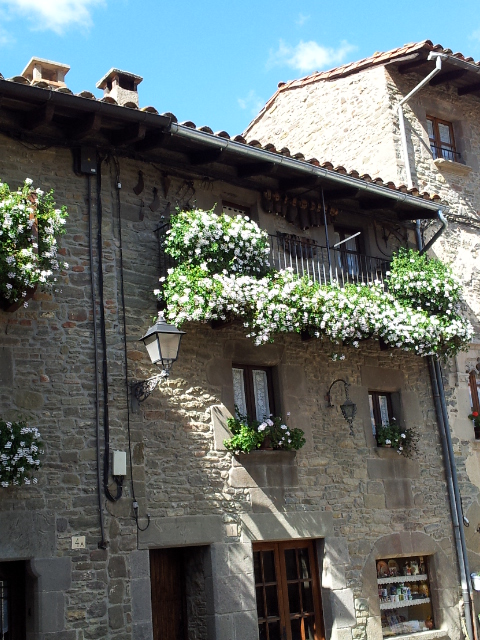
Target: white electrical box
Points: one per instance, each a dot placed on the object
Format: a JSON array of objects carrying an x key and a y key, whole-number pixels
[
  {"x": 119, "y": 463},
  {"x": 78, "y": 542}
]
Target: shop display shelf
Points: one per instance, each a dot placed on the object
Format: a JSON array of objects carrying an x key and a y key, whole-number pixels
[
  {"x": 393, "y": 579},
  {"x": 403, "y": 603}
]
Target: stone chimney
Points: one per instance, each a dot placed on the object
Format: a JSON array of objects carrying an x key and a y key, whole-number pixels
[
  {"x": 51, "y": 73},
  {"x": 121, "y": 86}
]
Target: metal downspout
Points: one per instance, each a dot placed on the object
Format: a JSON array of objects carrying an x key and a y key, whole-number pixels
[
  {"x": 401, "y": 118},
  {"x": 450, "y": 470}
]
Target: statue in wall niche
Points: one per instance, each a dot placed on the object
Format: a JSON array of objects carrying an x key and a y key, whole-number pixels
[
  {"x": 267, "y": 201},
  {"x": 303, "y": 214},
  {"x": 277, "y": 203},
  {"x": 292, "y": 211}
]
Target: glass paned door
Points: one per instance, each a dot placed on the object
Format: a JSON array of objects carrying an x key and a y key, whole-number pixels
[{"x": 288, "y": 595}]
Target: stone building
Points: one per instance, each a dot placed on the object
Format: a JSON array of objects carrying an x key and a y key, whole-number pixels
[
  {"x": 196, "y": 542},
  {"x": 351, "y": 115}
]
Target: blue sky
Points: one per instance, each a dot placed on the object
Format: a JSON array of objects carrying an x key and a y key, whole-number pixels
[{"x": 217, "y": 63}]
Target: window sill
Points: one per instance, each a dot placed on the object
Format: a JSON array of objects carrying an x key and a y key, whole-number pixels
[
  {"x": 435, "y": 634},
  {"x": 452, "y": 167}
]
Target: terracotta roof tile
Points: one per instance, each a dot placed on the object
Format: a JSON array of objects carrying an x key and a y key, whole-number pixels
[{"x": 377, "y": 58}]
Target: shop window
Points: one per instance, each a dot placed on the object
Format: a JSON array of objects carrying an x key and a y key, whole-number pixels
[
  {"x": 442, "y": 141},
  {"x": 381, "y": 411},
  {"x": 253, "y": 391},
  {"x": 287, "y": 590},
  {"x": 474, "y": 388},
  {"x": 404, "y": 593}
]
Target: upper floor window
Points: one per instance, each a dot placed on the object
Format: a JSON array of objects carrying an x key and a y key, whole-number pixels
[
  {"x": 253, "y": 391},
  {"x": 474, "y": 388},
  {"x": 442, "y": 141}
]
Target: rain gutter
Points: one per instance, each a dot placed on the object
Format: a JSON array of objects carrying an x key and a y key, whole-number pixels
[
  {"x": 438, "y": 57},
  {"x": 450, "y": 471},
  {"x": 262, "y": 155}
]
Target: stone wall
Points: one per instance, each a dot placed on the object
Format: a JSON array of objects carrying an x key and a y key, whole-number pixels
[
  {"x": 347, "y": 122},
  {"x": 338, "y": 488}
]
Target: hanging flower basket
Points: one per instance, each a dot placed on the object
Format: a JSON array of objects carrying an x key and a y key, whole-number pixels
[
  {"x": 29, "y": 227},
  {"x": 20, "y": 448},
  {"x": 271, "y": 434}
]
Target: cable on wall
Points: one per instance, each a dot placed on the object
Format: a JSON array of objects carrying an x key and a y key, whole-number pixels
[
  {"x": 106, "y": 420},
  {"x": 103, "y": 543},
  {"x": 118, "y": 186}
]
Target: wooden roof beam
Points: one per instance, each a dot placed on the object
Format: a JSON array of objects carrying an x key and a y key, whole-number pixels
[
  {"x": 38, "y": 117},
  {"x": 447, "y": 76},
  {"x": 411, "y": 66},
  {"x": 341, "y": 194},
  {"x": 128, "y": 135},
  {"x": 255, "y": 169},
  {"x": 83, "y": 127},
  {"x": 302, "y": 182},
  {"x": 204, "y": 157}
]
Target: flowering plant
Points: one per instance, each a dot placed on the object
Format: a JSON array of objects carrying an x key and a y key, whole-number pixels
[
  {"x": 20, "y": 448},
  {"x": 403, "y": 439},
  {"x": 424, "y": 283},
  {"x": 475, "y": 418},
  {"x": 218, "y": 242},
  {"x": 29, "y": 224},
  {"x": 251, "y": 434},
  {"x": 202, "y": 288}
]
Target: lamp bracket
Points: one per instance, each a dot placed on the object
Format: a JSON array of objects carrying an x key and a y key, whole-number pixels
[
  {"x": 329, "y": 396},
  {"x": 143, "y": 389}
]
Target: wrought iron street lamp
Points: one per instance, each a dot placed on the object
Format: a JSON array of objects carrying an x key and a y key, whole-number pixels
[
  {"x": 348, "y": 408},
  {"x": 163, "y": 343}
]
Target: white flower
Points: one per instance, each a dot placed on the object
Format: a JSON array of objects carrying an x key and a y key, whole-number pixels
[{"x": 388, "y": 441}]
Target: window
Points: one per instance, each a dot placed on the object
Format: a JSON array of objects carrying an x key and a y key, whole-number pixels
[
  {"x": 253, "y": 391},
  {"x": 348, "y": 254},
  {"x": 442, "y": 142},
  {"x": 474, "y": 388},
  {"x": 381, "y": 412},
  {"x": 232, "y": 209},
  {"x": 287, "y": 590},
  {"x": 404, "y": 593}
]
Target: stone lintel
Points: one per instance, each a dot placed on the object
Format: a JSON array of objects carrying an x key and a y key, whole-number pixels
[
  {"x": 286, "y": 526},
  {"x": 181, "y": 532}
]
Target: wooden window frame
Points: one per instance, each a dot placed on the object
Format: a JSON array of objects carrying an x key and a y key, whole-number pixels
[
  {"x": 249, "y": 388},
  {"x": 442, "y": 149},
  {"x": 282, "y": 585},
  {"x": 473, "y": 383}
]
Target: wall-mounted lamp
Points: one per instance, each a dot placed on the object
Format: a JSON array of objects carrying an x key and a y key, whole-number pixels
[
  {"x": 163, "y": 343},
  {"x": 348, "y": 408}
]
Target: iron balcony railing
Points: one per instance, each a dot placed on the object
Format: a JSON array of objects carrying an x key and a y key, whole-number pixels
[
  {"x": 307, "y": 258},
  {"x": 323, "y": 265},
  {"x": 447, "y": 153}
]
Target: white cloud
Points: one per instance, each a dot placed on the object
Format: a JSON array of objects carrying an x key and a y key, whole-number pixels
[
  {"x": 307, "y": 56},
  {"x": 53, "y": 14},
  {"x": 252, "y": 102},
  {"x": 475, "y": 35},
  {"x": 302, "y": 19},
  {"x": 5, "y": 38}
]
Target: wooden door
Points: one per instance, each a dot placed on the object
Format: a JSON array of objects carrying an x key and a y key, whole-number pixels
[
  {"x": 288, "y": 595},
  {"x": 12, "y": 601},
  {"x": 167, "y": 577}
]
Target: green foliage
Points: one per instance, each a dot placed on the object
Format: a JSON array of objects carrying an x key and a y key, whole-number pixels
[
  {"x": 218, "y": 242},
  {"x": 475, "y": 418},
  {"x": 249, "y": 435},
  {"x": 425, "y": 283},
  {"x": 403, "y": 439},
  {"x": 418, "y": 315},
  {"x": 20, "y": 447},
  {"x": 29, "y": 226}
]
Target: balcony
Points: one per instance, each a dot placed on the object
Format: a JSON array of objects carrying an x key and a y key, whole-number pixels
[{"x": 307, "y": 258}]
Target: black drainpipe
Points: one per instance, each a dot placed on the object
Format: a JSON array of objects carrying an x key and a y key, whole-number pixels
[{"x": 448, "y": 455}]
